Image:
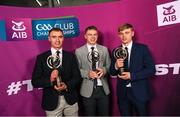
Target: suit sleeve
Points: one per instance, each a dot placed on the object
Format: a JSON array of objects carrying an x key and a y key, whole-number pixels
[
  {"x": 148, "y": 67},
  {"x": 38, "y": 80},
  {"x": 113, "y": 70},
  {"x": 76, "y": 77},
  {"x": 84, "y": 73},
  {"x": 106, "y": 66}
]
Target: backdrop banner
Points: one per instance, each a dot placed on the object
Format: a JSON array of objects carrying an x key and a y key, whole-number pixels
[{"x": 23, "y": 35}]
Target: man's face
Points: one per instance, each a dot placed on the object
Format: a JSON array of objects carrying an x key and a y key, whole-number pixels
[
  {"x": 126, "y": 35},
  {"x": 91, "y": 36},
  {"x": 56, "y": 39}
]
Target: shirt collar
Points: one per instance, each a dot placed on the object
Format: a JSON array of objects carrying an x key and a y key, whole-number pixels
[
  {"x": 53, "y": 51},
  {"x": 129, "y": 46},
  {"x": 89, "y": 46}
]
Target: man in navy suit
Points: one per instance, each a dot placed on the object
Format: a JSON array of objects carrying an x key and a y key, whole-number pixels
[
  {"x": 58, "y": 98},
  {"x": 133, "y": 88}
]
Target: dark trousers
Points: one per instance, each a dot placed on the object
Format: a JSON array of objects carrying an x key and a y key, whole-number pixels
[
  {"x": 130, "y": 104},
  {"x": 97, "y": 104}
]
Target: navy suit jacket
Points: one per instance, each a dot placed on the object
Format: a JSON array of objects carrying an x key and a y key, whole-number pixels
[
  {"x": 141, "y": 68},
  {"x": 70, "y": 75}
]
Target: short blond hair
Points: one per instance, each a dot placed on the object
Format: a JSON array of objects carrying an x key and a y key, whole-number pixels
[{"x": 125, "y": 26}]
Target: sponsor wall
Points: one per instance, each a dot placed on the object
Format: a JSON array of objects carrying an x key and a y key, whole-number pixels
[{"x": 23, "y": 35}]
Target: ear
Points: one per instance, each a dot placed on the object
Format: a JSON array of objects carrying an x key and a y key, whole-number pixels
[
  {"x": 85, "y": 36},
  {"x": 49, "y": 39},
  {"x": 132, "y": 33},
  {"x": 118, "y": 34}
]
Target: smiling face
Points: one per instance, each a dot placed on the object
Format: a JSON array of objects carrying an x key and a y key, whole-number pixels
[
  {"x": 56, "y": 39},
  {"x": 91, "y": 36}
]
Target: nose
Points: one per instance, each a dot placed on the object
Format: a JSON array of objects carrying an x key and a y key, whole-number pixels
[
  {"x": 122, "y": 36},
  {"x": 57, "y": 39}
]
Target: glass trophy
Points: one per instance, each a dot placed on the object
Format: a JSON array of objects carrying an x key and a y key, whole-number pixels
[
  {"x": 93, "y": 58},
  {"x": 53, "y": 62},
  {"x": 120, "y": 53}
]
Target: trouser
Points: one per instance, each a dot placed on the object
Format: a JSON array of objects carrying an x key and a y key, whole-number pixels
[
  {"x": 97, "y": 104},
  {"x": 130, "y": 103},
  {"x": 63, "y": 108}
]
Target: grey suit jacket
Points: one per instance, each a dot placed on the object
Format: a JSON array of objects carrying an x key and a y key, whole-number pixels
[{"x": 84, "y": 66}]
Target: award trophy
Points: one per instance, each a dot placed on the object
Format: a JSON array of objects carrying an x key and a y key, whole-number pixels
[
  {"x": 93, "y": 58},
  {"x": 120, "y": 53},
  {"x": 53, "y": 62}
]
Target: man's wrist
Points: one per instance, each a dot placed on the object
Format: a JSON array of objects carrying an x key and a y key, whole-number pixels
[{"x": 116, "y": 67}]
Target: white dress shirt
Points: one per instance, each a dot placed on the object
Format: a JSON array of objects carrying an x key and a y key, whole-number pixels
[
  {"x": 53, "y": 51},
  {"x": 129, "y": 46}
]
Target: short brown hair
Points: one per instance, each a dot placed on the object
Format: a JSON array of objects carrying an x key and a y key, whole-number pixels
[
  {"x": 125, "y": 26},
  {"x": 91, "y": 28},
  {"x": 55, "y": 29}
]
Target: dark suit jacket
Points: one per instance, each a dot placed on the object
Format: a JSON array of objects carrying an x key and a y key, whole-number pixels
[
  {"x": 70, "y": 74},
  {"x": 141, "y": 68}
]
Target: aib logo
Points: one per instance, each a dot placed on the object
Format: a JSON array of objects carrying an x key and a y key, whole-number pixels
[
  {"x": 168, "y": 13},
  {"x": 19, "y": 30},
  {"x": 169, "y": 10}
]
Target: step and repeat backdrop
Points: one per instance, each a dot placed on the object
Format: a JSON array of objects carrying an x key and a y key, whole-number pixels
[{"x": 23, "y": 35}]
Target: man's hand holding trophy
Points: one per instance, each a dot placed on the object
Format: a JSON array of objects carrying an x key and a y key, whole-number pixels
[
  {"x": 120, "y": 54},
  {"x": 93, "y": 58},
  {"x": 53, "y": 62}
]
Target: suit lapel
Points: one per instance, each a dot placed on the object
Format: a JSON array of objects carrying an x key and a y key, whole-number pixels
[
  {"x": 48, "y": 53},
  {"x": 133, "y": 53},
  {"x": 45, "y": 64},
  {"x": 85, "y": 55},
  {"x": 101, "y": 58},
  {"x": 64, "y": 61}
]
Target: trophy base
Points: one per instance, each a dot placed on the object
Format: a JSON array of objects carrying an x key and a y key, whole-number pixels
[
  {"x": 57, "y": 82},
  {"x": 121, "y": 70}
]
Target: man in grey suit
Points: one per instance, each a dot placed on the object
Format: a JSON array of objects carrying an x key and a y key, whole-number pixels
[{"x": 94, "y": 88}]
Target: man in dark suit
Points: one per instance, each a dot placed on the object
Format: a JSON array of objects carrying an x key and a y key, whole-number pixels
[
  {"x": 133, "y": 89},
  {"x": 57, "y": 72}
]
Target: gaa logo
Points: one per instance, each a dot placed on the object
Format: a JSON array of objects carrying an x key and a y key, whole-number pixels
[
  {"x": 69, "y": 25},
  {"x": 43, "y": 27}
]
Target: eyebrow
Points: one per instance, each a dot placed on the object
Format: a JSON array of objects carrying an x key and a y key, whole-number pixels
[{"x": 57, "y": 36}]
